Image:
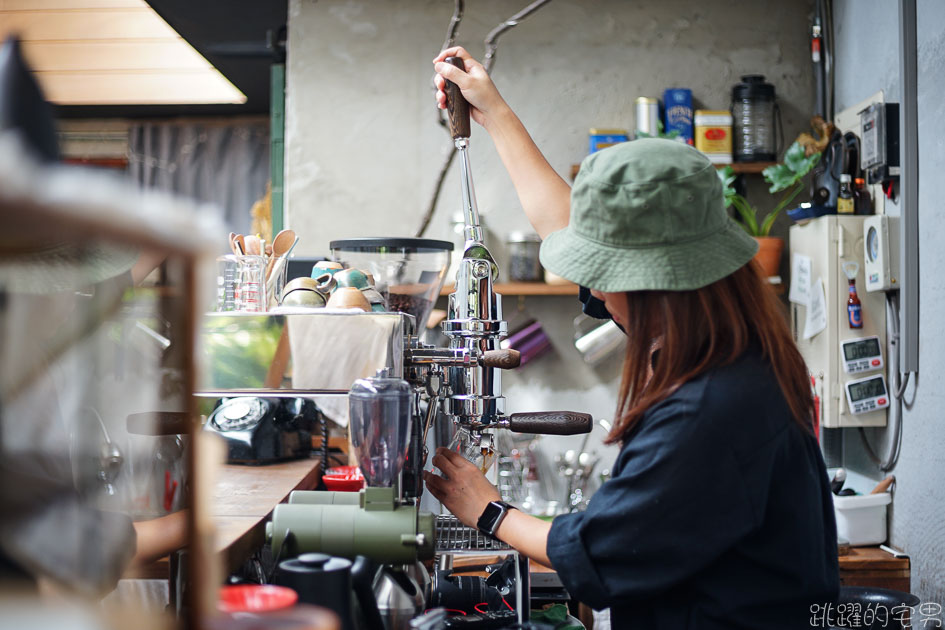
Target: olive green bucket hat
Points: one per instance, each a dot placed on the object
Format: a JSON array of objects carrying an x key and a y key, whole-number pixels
[{"x": 647, "y": 215}]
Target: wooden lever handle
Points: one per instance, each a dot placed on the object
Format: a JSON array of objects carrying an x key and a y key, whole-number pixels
[
  {"x": 502, "y": 359},
  {"x": 457, "y": 107},
  {"x": 551, "y": 422}
]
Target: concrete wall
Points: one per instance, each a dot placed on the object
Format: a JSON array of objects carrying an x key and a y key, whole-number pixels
[
  {"x": 363, "y": 147},
  {"x": 867, "y": 60}
]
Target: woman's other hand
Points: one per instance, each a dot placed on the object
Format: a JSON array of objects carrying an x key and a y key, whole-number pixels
[
  {"x": 463, "y": 489},
  {"x": 484, "y": 98}
]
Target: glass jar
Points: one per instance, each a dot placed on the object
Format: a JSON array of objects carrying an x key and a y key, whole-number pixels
[
  {"x": 524, "y": 265},
  {"x": 753, "y": 117},
  {"x": 241, "y": 283}
]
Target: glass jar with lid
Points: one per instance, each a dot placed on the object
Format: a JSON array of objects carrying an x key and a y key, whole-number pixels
[
  {"x": 754, "y": 114},
  {"x": 524, "y": 265}
]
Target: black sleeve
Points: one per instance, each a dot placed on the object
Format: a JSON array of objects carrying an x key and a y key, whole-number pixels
[
  {"x": 592, "y": 307},
  {"x": 675, "y": 505}
]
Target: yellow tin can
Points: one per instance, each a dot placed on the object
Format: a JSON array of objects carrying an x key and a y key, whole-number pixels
[{"x": 713, "y": 131}]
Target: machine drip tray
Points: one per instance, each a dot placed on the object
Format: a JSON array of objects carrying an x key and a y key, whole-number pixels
[{"x": 451, "y": 535}]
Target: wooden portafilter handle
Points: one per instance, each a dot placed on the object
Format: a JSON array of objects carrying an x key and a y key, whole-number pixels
[
  {"x": 457, "y": 107},
  {"x": 503, "y": 359},
  {"x": 159, "y": 423},
  {"x": 551, "y": 422}
]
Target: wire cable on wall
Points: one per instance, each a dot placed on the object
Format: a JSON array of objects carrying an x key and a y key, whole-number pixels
[{"x": 898, "y": 384}]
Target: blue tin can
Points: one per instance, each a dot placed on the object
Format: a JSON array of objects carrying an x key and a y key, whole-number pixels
[
  {"x": 677, "y": 105},
  {"x": 603, "y": 138}
]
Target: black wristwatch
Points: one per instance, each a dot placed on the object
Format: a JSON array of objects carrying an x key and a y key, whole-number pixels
[{"x": 492, "y": 517}]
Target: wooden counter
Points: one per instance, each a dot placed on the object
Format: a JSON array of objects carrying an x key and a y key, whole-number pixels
[
  {"x": 871, "y": 566},
  {"x": 244, "y": 498}
]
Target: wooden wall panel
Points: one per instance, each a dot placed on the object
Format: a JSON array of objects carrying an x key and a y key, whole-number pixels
[
  {"x": 114, "y": 52},
  {"x": 46, "y": 5},
  {"x": 113, "y": 55},
  {"x": 126, "y": 88},
  {"x": 69, "y": 25}
]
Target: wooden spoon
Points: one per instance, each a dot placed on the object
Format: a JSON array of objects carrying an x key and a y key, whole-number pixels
[
  {"x": 241, "y": 244},
  {"x": 282, "y": 244},
  {"x": 233, "y": 243}
]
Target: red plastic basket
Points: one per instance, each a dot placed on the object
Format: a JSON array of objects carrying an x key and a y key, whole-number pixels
[{"x": 343, "y": 479}]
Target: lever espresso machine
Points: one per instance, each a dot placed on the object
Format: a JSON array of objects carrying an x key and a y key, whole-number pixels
[
  {"x": 460, "y": 383},
  {"x": 471, "y": 389}
]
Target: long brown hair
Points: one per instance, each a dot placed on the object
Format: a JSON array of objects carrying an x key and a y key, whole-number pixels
[{"x": 700, "y": 330}]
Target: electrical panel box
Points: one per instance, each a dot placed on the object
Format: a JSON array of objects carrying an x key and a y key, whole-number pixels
[
  {"x": 881, "y": 252},
  {"x": 830, "y": 241},
  {"x": 849, "y": 121},
  {"x": 879, "y": 141}
]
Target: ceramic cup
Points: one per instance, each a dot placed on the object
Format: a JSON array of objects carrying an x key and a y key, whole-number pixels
[{"x": 348, "y": 297}]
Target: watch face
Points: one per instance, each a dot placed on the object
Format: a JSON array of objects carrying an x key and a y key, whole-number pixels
[{"x": 491, "y": 516}]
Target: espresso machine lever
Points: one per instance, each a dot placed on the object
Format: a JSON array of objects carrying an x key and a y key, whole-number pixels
[{"x": 457, "y": 108}]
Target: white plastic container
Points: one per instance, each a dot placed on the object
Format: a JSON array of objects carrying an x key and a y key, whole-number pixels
[{"x": 862, "y": 519}]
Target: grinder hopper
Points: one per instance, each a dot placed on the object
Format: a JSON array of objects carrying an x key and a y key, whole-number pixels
[
  {"x": 409, "y": 272},
  {"x": 380, "y": 424}
]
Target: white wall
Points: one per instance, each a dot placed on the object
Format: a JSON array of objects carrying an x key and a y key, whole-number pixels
[
  {"x": 363, "y": 148},
  {"x": 867, "y": 60}
]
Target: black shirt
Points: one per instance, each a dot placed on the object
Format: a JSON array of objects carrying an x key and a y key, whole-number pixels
[{"x": 718, "y": 515}]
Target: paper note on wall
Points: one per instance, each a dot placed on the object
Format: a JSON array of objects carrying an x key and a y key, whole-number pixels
[
  {"x": 800, "y": 279},
  {"x": 816, "y": 310}
]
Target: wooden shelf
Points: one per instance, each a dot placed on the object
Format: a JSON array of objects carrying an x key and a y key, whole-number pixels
[
  {"x": 747, "y": 168},
  {"x": 527, "y": 288}
]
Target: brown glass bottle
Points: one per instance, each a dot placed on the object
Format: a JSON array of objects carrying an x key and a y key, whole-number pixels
[{"x": 861, "y": 197}]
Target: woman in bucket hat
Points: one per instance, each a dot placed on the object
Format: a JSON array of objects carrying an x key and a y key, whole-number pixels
[{"x": 718, "y": 513}]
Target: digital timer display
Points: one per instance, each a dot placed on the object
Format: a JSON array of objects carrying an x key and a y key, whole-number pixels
[
  {"x": 864, "y": 354},
  {"x": 861, "y": 349},
  {"x": 867, "y": 394},
  {"x": 872, "y": 388}
]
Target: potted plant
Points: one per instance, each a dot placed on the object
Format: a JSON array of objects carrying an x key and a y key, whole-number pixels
[{"x": 785, "y": 176}]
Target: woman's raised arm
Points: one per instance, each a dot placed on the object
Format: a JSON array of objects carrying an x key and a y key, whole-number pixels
[{"x": 544, "y": 196}]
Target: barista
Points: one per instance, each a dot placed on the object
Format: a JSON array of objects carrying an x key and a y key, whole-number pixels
[{"x": 718, "y": 514}]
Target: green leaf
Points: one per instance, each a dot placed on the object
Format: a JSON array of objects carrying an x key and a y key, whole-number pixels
[
  {"x": 795, "y": 166},
  {"x": 768, "y": 223},
  {"x": 769, "y": 220},
  {"x": 747, "y": 214},
  {"x": 780, "y": 176},
  {"x": 794, "y": 157},
  {"x": 659, "y": 132},
  {"x": 728, "y": 176}
]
